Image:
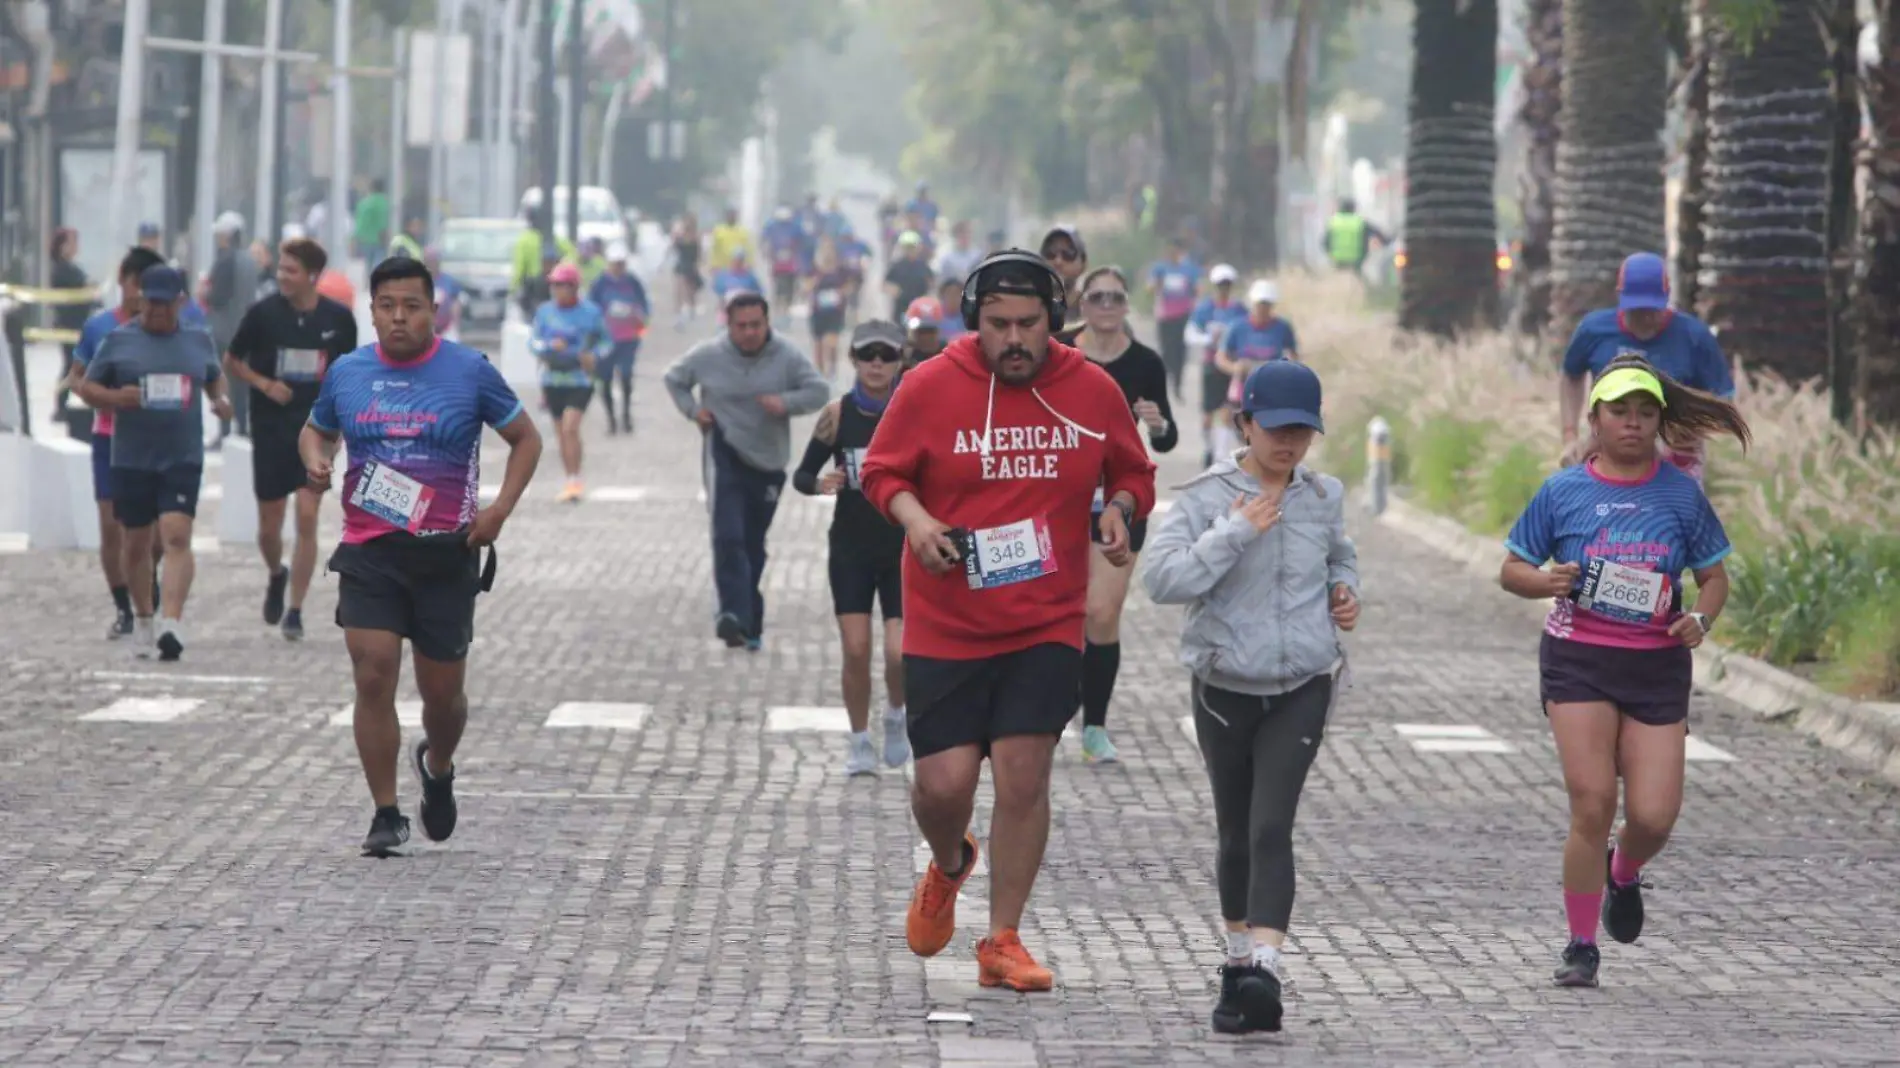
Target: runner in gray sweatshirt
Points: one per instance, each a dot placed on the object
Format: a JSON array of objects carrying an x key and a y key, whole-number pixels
[{"x": 743, "y": 389}]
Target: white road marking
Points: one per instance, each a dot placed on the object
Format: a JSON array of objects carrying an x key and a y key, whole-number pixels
[
  {"x": 159, "y": 676},
  {"x": 1441, "y": 730},
  {"x": 942, "y": 1017},
  {"x": 617, "y": 494},
  {"x": 15, "y": 541},
  {"x": 1463, "y": 745},
  {"x": 609, "y": 715},
  {"x": 806, "y": 718},
  {"x": 211, "y": 491},
  {"x": 1696, "y": 749},
  {"x": 489, "y": 493},
  {"x": 408, "y": 714},
  {"x": 143, "y": 710},
  {"x": 206, "y": 543}
]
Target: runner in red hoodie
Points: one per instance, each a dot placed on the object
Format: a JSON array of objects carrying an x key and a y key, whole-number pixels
[{"x": 989, "y": 458}]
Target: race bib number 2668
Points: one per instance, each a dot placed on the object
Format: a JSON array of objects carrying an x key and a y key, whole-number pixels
[{"x": 1623, "y": 593}]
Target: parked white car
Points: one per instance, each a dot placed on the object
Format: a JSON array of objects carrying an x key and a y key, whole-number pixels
[{"x": 601, "y": 214}]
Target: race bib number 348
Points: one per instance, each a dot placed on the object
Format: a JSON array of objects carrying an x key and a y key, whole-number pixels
[
  {"x": 392, "y": 497},
  {"x": 1623, "y": 593},
  {"x": 1006, "y": 555}
]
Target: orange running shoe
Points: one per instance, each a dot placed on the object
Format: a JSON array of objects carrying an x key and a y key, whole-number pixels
[
  {"x": 932, "y": 919},
  {"x": 1002, "y": 961}
]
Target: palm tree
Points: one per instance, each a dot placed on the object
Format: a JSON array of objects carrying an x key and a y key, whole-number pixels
[
  {"x": 1764, "y": 266},
  {"x": 1610, "y": 191},
  {"x": 1877, "y": 285},
  {"x": 1691, "y": 195},
  {"x": 1450, "y": 162},
  {"x": 1543, "y": 103}
]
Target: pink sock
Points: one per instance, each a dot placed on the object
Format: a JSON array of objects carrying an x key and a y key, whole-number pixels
[
  {"x": 1581, "y": 910},
  {"x": 1623, "y": 870}
]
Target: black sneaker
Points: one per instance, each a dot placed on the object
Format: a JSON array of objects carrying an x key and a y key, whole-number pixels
[
  {"x": 1579, "y": 967},
  {"x": 121, "y": 627},
  {"x": 274, "y": 596},
  {"x": 438, "y": 797},
  {"x": 730, "y": 630},
  {"x": 293, "y": 625},
  {"x": 1623, "y": 908},
  {"x": 171, "y": 644},
  {"x": 387, "y": 833},
  {"x": 1249, "y": 1000}
]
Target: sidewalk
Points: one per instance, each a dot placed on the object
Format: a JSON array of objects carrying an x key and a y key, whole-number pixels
[{"x": 660, "y": 863}]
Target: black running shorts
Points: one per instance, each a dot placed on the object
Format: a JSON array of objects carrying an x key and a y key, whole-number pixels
[
  {"x": 954, "y": 703},
  {"x": 420, "y": 588},
  {"x": 561, "y": 398},
  {"x": 1648, "y": 685},
  {"x": 858, "y": 577},
  {"x": 140, "y": 497},
  {"x": 1214, "y": 385},
  {"x": 277, "y": 469}
]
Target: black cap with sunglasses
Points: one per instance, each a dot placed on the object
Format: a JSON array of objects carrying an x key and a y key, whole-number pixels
[{"x": 874, "y": 335}]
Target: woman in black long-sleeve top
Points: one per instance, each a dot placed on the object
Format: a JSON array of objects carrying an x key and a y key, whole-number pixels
[{"x": 1106, "y": 340}]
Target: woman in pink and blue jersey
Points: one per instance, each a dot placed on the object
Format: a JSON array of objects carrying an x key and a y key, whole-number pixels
[{"x": 1620, "y": 530}]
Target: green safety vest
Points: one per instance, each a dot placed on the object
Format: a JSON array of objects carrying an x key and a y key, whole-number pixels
[
  {"x": 404, "y": 245},
  {"x": 1345, "y": 239}
]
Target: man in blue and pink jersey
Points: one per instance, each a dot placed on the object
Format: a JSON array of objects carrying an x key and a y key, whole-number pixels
[
  {"x": 1173, "y": 282},
  {"x": 410, "y": 411}
]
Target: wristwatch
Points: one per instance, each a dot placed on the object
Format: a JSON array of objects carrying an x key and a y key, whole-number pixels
[
  {"x": 1701, "y": 621},
  {"x": 1128, "y": 513}
]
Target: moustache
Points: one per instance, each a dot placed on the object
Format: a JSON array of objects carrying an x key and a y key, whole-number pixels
[{"x": 1016, "y": 351}]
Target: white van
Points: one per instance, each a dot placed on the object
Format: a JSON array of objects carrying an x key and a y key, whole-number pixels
[{"x": 601, "y": 214}]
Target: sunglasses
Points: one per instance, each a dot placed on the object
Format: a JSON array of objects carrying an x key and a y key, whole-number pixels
[
  {"x": 1066, "y": 255},
  {"x": 1106, "y": 298},
  {"x": 878, "y": 354}
]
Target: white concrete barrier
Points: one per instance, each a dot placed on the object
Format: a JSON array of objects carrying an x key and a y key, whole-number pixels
[
  {"x": 518, "y": 365},
  {"x": 15, "y": 454},
  {"x": 61, "y": 513}
]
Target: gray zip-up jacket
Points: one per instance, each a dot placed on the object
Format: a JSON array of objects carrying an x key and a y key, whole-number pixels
[
  {"x": 1259, "y": 611},
  {"x": 716, "y": 376}
]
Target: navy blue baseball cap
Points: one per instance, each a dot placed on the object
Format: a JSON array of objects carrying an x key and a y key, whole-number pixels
[
  {"x": 1283, "y": 393},
  {"x": 161, "y": 283},
  {"x": 1642, "y": 283}
]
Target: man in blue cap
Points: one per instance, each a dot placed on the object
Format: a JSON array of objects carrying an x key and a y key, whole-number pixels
[
  {"x": 1674, "y": 342},
  {"x": 154, "y": 373}
]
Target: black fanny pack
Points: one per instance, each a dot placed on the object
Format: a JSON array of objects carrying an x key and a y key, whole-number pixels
[{"x": 442, "y": 558}]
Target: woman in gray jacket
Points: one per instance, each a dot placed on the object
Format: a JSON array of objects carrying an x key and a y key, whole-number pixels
[{"x": 1256, "y": 548}]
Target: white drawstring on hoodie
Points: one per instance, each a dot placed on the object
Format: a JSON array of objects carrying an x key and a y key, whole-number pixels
[{"x": 989, "y": 410}]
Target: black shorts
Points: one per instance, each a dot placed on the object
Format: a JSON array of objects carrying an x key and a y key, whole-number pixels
[
  {"x": 1214, "y": 385},
  {"x": 277, "y": 469},
  {"x": 860, "y": 575},
  {"x": 952, "y": 703},
  {"x": 784, "y": 288},
  {"x": 826, "y": 323},
  {"x": 1647, "y": 685},
  {"x": 561, "y": 398},
  {"x": 420, "y": 588},
  {"x": 1137, "y": 532},
  {"x": 140, "y": 497}
]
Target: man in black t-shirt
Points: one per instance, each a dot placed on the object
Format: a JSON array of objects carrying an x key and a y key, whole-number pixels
[
  {"x": 909, "y": 276},
  {"x": 281, "y": 351}
]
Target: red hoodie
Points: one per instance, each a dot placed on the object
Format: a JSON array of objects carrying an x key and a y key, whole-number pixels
[{"x": 1051, "y": 443}]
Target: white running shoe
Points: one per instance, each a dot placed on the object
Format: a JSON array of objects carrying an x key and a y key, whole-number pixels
[
  {"x": 896, "y": 738},
  {"x": 142, "y": 640},
  {"x": 862, "y": 759}
]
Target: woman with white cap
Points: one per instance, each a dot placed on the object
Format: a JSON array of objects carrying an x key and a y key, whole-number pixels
[
  {"x": 1205, "y": 328},
  {"x": 1256, "y": 548},
  {"x": 622, "y": 300},
  {"x": 1262, "y": 337}
]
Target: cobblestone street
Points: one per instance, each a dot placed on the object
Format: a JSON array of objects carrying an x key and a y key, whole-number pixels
[{"x": 660, "y": 861}]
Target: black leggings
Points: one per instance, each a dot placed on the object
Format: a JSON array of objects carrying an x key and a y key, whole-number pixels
[
  {"x": 1257, "y": 751},
  {"x": 1173, "y": 350}
]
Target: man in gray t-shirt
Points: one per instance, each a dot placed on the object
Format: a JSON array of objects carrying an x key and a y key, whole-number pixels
[{"x": 156, "y": 373}]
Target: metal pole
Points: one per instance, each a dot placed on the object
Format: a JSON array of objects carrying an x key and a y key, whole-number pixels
[
  {"x": 491, "y": 103},
  {"x": 576, "y": 94},
  {"x": 340, "y": 143},
  {"x": 546, "y": 118},
  {"x": 609, "y": 125},
  {"x": 210, "y": 108},
  {"x": 667, "y": 170},
  {"x": 266, "y": 147},
  {"x": 399, "y": 122},
  {"x": 125, "y": 140},
  {"x": 510, "y": 89},
  {"x": 436, "y": 162},
  {"x": 1378, "y": 463}
]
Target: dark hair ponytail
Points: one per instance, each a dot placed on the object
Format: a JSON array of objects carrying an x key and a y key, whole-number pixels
[{"x": 1688, "y": 413}]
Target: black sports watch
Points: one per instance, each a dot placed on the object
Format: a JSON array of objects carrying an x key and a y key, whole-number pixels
[{"x": 1128, "y": 512}]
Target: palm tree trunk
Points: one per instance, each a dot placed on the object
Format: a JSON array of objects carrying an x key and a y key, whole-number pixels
[
  {"x": 1693, "y": 195},
  {"x": 1543, "y": 104},
  {"x": 1450, "y": 283},
  {"x": 1764, "y": 272},
  {"x": 1877, "y": 288},
  {"x": 1840, "y": 26},
  {"x": 1610, "y": 191}
]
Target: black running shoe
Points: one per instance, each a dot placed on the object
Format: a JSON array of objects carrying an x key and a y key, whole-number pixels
[
  {"x": 730, "y": 630},
  {"x": 438, "y": 797},
  {"x": 171, "y": 644},
  {"x": 274, "y": 596},
  {"x": 387, "y": 833},
  {"x": 1579, "y": 967},
  {"x": 293, "y": 625},
  {"x": 121, "y": 627},
  {"x": 1623, "y": 908},
  {"x": 1249, "y": 1000}
]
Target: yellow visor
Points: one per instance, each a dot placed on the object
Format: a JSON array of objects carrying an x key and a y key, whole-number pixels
[{"x": 1624, "y": 381}]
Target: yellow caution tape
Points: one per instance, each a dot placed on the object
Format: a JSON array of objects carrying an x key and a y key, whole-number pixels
[
  {"x": 52, "y": 334},
  {"x": 37, "y": 295}
]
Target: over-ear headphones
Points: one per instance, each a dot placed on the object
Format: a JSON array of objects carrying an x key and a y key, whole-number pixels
[{"x": 1057, "y": 303}]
